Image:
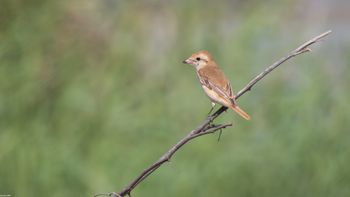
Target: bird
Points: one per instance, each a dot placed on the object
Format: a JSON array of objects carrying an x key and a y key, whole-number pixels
[{"x": 214, "y": 82}]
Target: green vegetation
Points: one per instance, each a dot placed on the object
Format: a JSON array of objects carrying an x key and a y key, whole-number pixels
[{"x": 91, "y": 92}]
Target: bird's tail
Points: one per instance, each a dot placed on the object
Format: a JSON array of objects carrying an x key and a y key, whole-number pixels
[{"x": 240, "y": 111}]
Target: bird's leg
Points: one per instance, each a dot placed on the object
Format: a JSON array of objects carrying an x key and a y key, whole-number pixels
[
  {"x": 212, "y": 107},
  {"x": 209, "y": 114}
]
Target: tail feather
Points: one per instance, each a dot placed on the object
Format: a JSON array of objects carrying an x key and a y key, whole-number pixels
[{"x": 240, "y": 112}]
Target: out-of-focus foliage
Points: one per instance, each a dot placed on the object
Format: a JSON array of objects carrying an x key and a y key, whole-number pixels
[{"x": 91, "y": 92}]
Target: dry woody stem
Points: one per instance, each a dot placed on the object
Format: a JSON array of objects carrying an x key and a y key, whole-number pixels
[{"x": 207, "y": 127}]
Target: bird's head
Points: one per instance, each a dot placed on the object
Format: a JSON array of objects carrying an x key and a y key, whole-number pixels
[{"x": 199, "y": 59}]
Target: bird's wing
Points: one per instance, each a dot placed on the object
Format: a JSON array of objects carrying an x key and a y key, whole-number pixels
[
  {"x": 229, "y": 90},
  {"x": 222, "y": 92},
  {"x": 214, "y": 79}
]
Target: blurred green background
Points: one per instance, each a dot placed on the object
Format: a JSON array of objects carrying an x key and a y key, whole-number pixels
[{"x": 92, "y": 92}]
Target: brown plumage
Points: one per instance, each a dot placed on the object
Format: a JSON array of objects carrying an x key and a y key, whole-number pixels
[{"x": 214, "y": 81}]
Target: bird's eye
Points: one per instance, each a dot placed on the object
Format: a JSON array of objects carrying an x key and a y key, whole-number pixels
[{"x": 198, "y": 58}]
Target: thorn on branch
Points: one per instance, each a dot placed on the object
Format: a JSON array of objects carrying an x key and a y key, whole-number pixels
[{"x": 220, "y": 132}]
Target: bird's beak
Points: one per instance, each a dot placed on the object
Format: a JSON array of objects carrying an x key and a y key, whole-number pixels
[{"x": 187, "y": 61}]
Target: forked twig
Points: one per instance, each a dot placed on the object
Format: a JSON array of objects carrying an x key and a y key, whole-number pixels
[{"x": 206, "y": 127}]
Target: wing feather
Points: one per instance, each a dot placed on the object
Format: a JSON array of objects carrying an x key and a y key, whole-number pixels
[{"x": 214, "y": 79}]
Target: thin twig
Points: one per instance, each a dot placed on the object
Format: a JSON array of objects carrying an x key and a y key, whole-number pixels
[
  {"x": 167, "y": 156},
  {"x": 301, "y": 49},
  {"x": 206, "y": 127},
  {"x": 108, "y": 194}
]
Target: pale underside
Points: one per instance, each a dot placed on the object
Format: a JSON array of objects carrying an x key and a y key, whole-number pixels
[{"x": 216, "y": 98}]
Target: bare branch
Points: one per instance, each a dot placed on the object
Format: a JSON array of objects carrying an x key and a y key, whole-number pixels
[
  {"x": 301, "y": 49},
  {"x": 206, "y": 127},
  {"x": 201, "y": 130}
]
